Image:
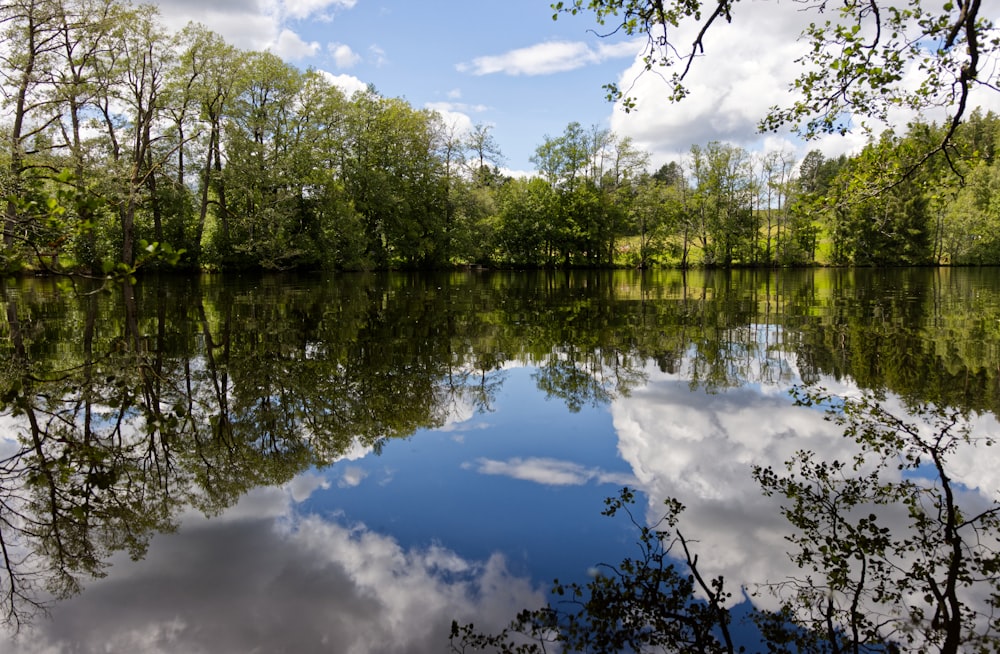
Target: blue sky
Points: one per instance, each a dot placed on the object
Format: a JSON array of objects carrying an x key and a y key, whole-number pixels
[{"x": 507, "y": 64}]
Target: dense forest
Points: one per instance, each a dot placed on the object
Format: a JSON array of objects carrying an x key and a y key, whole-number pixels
[{"x": 128, "y": 145}]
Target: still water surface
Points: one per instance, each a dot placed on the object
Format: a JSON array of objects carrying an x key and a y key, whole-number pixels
[{"x": 348, "y": 463}]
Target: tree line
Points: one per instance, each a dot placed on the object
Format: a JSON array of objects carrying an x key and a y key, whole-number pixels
[{"x": 127, "y": 144}]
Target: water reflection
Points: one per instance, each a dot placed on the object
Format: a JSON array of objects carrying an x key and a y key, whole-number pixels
[
  {"x": 700, "y": 448},
  {"x": 263, "y": 577},
  {"x": 140, "y": 411}
]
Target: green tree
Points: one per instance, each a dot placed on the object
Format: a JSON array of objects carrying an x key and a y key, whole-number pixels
[
  {"x": 144, "y": 62},
  {"x": 777, "y": 170},
  {"x": 485, "y": 151},
  {"x": 208, "y": 74},
  {"x": 808, "y": 207},
  {"x": 626, "y": 165},
  {"x": 87, "y": 27},
  {"x": 263, "y": 178},
  {"x": 654, "y": 214},
  {"x": 564, "y": 160},
  {"x": 527, "y": 217},
  {"x": 393, "y": 173},
  {"x": 32, "y": 41},
  {"x": 973, "y": 218},
  {"x": 331, "y": 231},
  {"x": 723, "y": 194},
  {"x": 669, "y": 173},
  {"x": 890, "y": 227},
  {"x": 128, "y": 97}
]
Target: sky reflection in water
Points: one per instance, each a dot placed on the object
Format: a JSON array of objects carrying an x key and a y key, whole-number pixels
[
  {"x": 473, "y": 520},
  {"x": 378, "y": 553}
]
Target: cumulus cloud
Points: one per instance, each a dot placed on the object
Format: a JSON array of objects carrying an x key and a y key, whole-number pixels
[
  {"x": 246, "y": 25},
  {"x": 745, "y": 71},
  {"x": 304, "y": 485},
  {"x": 550, "y": 57},
  {"x": 548, "y": 472},
  {"x": 290, "y": 45},
  {"x": 343, "y": 55},
  {"x": 272, "y": 580},
  {"x": 456, "y": 117},
  {"x": 451, "y": 107},
  {"x": 747, "y": 68},
  {"x": 257, "y": 25},
  {"x": 349, "y": 84}
]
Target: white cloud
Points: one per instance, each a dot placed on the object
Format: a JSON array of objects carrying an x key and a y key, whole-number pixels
[
  {"x": 343, "y": 55},
  {"x": 310, "y": 8},
  {"x": 519, "y": 174},
  {"x": 549, "y": 472},
  {"x": 456, "y": 117},
  {"x": 304, "y": 485},
  {"x": 347, "y": 83},
  {"x": 246, "y": 25},
  {"x": 746, "y": 69},
  {"x": 377, "y": 55},
  {"x": 547, "y": 58},
  {"x": 290, "y": 45},
  {"x": 444, "y": 107}
]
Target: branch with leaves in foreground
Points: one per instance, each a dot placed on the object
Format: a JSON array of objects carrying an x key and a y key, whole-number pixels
[
  {"x": 863, "y": 60},
  {"x": 890, "y": 559}
]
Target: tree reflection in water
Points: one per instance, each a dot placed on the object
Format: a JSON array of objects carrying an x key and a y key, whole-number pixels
[
  {"x": 890, "y": 554},
  {"x": 122, "y": 409}
]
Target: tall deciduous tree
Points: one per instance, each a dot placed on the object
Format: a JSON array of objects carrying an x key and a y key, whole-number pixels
[
  {"x": 485, "y": 152},
  {"x": 653, "y": 211},
  {"x": 209, "y": 74},
  {"x": 776, "y": 171},
  {"x": 85, "y": 33},
  {"x": 564, "y": 159},
  {"x": 392, "y": 171},
  {"x": 31, "y": 35},
  {"x": 260, "y": 178},
  {"x": 133, "y": 72},
  {"x": 722, "y": 190}
]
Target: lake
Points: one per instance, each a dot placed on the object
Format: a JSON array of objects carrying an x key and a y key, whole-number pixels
[{"x": 347, "y": 463}]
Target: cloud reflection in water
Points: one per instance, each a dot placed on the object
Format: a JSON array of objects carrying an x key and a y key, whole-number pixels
[
  {"x": 700, "y": 447},
  {"x": 263, "y": 577}
]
